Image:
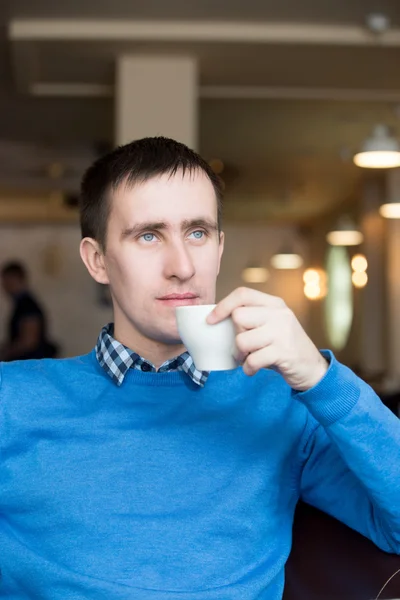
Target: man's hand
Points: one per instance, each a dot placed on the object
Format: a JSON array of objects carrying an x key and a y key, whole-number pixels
[{"x": 270, "y": 336}]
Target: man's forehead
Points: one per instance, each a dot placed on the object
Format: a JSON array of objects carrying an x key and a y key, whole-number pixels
[
  {"x": 167, "y": 215},
  {"x": 166, "y": 200}
]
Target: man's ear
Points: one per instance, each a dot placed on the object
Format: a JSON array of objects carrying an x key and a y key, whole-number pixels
[{"x": 93, "y": 258}]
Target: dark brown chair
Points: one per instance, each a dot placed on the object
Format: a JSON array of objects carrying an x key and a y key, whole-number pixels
[{"x": 329, "y": 561}]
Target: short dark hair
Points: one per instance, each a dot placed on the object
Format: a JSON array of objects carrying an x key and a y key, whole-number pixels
[
  {"x": 133, "y": 163},
  {"x": 15, "y": 269}
]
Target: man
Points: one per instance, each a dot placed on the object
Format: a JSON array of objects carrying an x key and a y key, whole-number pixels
[
  {"x": 27, "y": 336},
  {"x": 127, "y": 474}
]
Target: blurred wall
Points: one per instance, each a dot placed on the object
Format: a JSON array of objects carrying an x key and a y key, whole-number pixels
[
  {"x": 72, "y": 298},
  {"x": 367, "y": 346}
]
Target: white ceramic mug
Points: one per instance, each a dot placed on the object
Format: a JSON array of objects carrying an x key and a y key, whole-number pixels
[{"x": 212, "y": 347}]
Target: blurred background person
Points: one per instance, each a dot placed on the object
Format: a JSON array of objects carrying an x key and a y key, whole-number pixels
[{"x": 27, "y": 328}]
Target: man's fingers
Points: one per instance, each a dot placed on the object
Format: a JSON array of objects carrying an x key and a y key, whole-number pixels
[
  {"x": 249, "y": 317},
  {"x": 241, "y": 297},
  {"x": 253, "y": 340},
  {"x": 262, "y": 359}
]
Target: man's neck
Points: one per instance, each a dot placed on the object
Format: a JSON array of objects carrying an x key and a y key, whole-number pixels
[{"x": 155, "y": 352}]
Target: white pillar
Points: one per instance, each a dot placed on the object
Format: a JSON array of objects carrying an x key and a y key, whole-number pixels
[
  {"x": 393, "y": 287},
  {"x": 156, "y": 96}
]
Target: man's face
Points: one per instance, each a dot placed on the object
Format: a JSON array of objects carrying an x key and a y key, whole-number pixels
[{"x": 163, "y": 250}]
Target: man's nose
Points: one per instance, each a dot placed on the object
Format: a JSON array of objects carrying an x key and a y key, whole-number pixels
[{"x": 179, "y": 262}]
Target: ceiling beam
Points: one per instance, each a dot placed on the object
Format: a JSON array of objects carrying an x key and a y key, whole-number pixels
[
  {"x": 224, "y": 92},
  {"x": 249, "y": 92},
  {"x": 195, "y": 31},
  {"x": 71, "y": 90}
]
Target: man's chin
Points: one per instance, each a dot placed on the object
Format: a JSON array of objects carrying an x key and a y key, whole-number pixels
[
  {"x": 168, "y": 338},
  {"x": 171, "y": 341}
]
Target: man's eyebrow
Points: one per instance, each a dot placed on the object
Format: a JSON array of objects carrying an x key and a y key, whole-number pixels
[
  {"x": 140, "y": 227},
  {"x": 206, "y": 223},
  {"x": 161, "y": 225}
]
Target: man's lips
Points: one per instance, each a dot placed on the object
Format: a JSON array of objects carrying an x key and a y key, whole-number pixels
[{"x": 179, "y": 299}]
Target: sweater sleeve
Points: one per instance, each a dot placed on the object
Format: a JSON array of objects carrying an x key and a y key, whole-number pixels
[{"x": 351, "y": 456}]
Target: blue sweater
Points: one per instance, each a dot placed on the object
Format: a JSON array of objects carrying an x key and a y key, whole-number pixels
[{"x": 161, "y": 490}]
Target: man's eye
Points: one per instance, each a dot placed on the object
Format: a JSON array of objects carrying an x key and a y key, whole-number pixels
[
  {"x": 148, "y": 237},
  {"x": 198, "y": 235}
]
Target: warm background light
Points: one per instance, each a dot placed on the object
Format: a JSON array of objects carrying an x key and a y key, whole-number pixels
[
  {"x": 378, "y": 160},
  {"x": 311, "y": 276},
  {"x": 359, "y": 279},
  {"x": 315, "y": 284},
  {"x": 286, "y": 261},
  {"x": 345, "y": 238},
  {"x": 390, "y": 210},
  {"x": 380, "y": 150},
  {"x": 255, "y": 275},
  {"x": 312, "y": 291},
  {"x": 359, "y": 263}
]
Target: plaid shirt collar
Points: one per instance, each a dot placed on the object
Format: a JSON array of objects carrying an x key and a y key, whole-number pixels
[{"x": 116, "y": 360}]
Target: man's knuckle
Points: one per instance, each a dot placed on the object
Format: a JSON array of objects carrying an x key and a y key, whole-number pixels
[
  {"x": 236, "y": 313},
  {"x": 252, "y": 362}
]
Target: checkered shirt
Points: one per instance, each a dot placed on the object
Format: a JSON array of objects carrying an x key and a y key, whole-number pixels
[{"x": 116, "y": 359}]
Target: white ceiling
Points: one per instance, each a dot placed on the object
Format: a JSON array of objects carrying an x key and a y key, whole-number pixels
[{"x": 285, "y": 157}]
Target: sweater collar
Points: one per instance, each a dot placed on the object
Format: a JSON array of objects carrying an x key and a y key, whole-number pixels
[{"x": 116, "y": 360}]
